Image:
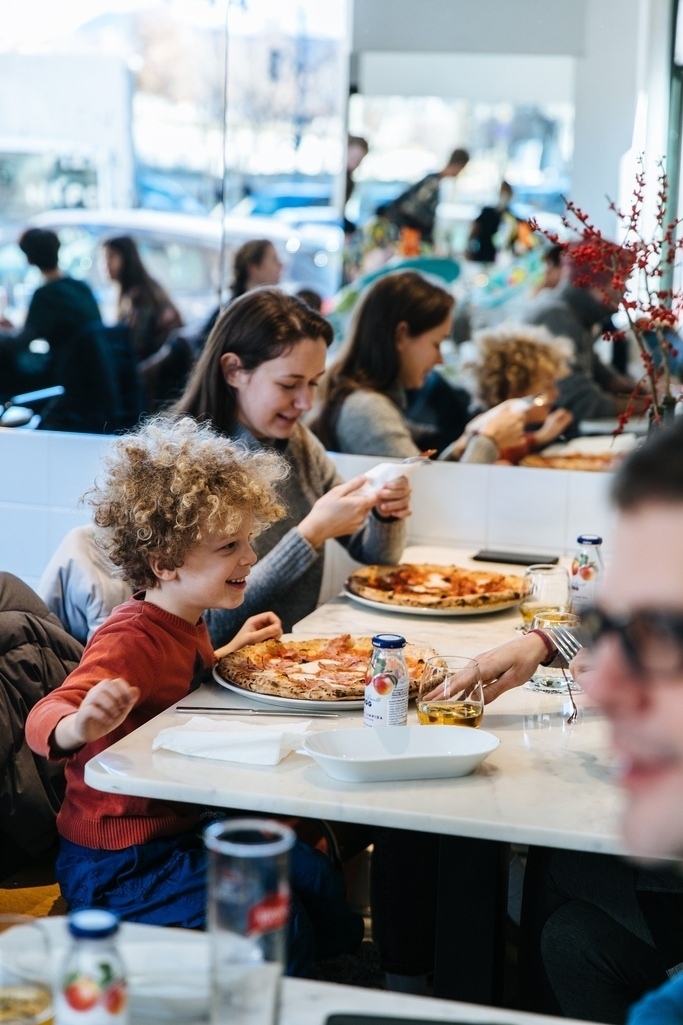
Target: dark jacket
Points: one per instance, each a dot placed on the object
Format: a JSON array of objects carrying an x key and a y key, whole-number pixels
[
  {"x": 36, "y": 655},
  {"x": 572, "y": 312}
]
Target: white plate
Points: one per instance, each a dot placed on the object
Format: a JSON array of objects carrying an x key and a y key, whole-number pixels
[
  {"x": 385, "y": 606},
  {"x": 399, "y": 752},
  {"x": 294, "y": 704},
  {"x": 168, "y": 969},
  {"x": 593, "y": 445}
]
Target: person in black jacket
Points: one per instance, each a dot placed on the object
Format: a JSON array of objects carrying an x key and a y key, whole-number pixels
[
  {"x": 58, "y": 310},
  {"x": 36, "y": 655}
]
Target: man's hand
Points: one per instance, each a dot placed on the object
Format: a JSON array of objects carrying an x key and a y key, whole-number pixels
[
  {"x": 262, "y": 627},
  {"x": 510, "y": 664},
  {"x": 103, "y": 708}
]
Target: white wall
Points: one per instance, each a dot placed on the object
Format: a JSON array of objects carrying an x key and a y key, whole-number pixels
[
  {"x": 42, "y": 476},
  {"x": 465, "y": 26},
  {"x": 612, "y": 59}
]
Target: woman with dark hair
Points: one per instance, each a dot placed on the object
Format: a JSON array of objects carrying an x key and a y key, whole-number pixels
[
  {"x": 393, "y": 345},
  {"x": 254, "y": 380},
  {"x": 256, "y": 263},
  {"x": 144, "y": 305}
]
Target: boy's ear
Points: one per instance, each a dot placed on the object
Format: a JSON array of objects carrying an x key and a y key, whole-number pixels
[
  {"x": 231, "y": 365},
  {"x": 160, "y": 572}
]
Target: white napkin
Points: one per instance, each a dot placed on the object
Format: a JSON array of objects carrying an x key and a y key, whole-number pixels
[
  {"x": 383, "y": 473},
  {"x": 232, "y": 742}
]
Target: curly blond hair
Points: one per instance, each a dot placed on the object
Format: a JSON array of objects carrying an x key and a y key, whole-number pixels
[
  {"x": 512, "y": 361},
  {"x": 169, "y": 485}
]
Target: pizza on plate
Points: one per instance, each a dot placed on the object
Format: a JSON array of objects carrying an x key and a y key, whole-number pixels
[
  {"x": 573, "y": 461},
  {"x": 318, "y": 669},
  {"x": 430, "y": 585}
]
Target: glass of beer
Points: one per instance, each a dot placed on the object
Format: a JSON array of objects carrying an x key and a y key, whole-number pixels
[
  {"x": 554, "y": 677},
  {"x": 25, "y": 972},
  {"x": 545, "y": 589},
  {"x": 451, "y": 692}
]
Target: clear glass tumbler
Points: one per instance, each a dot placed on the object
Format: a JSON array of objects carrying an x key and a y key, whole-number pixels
[
  {"x": 247, "y": 913},
  {"x": 25, "y": 972}
]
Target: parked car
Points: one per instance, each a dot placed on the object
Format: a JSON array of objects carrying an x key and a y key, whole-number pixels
[{"x": 181, "y": 251}]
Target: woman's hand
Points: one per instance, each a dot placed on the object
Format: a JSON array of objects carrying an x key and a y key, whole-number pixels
[
  {"x": 342, "y": 510},
  {"x": 103, "y": 708},
  {"x": 262, "y": 627},
  {"x": 510, "y": 664},
  {"x": 393, "y": 499},
  {"x": 504, "y": 424},
  {"x": 555, "y": 424}
]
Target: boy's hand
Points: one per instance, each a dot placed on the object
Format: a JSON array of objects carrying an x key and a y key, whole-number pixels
[
  {"x": 257, "y": 628},
  {"x": 104, "y": 707}
]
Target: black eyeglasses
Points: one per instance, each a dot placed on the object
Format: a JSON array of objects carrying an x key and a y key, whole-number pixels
[{"x": 651, "y": 639}]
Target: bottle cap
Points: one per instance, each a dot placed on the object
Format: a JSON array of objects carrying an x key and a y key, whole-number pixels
[
  {"x": 93, "y": 923},
  {"x": 388, "y": 641},
  {"x": 589, "y": 539}
]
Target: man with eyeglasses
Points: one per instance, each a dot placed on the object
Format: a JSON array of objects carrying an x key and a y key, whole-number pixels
[{"x": 606, "y": 931}]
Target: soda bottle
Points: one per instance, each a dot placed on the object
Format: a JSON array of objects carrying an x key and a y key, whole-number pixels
[
  {"x": 92, "y": 984},
  {"x": 386, "y": 683},
  {"x": 586, "y": 566}
]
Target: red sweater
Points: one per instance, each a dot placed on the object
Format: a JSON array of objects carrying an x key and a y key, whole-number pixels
[{"x": 161, "y": 654}]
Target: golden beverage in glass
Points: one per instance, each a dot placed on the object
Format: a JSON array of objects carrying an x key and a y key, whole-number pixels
[
  {"x": 25, "y": 1004},
  {"x": 25, "y": 972},
  {"x": 458, "y": 713},
  {"x": 530, "y": 609},
  {"x": 451, "y": 692},
  {"x": 545, "y": 589}
]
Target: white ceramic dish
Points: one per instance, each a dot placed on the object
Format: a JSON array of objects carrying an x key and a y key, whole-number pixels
[
  {"x": 385, "y": 606},
  {"x": 399, "y": 752},
  {"x": 593, "y": 445},
  {"x": 292, "y": 704},
  {"x": 168, "y": 969}
]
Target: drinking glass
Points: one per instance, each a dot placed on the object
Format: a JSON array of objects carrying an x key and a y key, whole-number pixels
[
  {"x": 554, "y": 677},
  {"x": 451, "y": 692},
  {"x": 247, "y": 912},
  {"x": 25, "y": 972},
  {"x": 545, "y": 589}
]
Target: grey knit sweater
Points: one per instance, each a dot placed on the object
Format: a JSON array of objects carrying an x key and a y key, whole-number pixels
[
  {"x": 288, "y": 574},
  {"x": 371, "y": 423}
]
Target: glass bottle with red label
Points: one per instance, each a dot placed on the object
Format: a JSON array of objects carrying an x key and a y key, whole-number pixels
[
  {"x": 386, "y": 683},
  {"x": 92, "y": 984},
  {"x": 585, "y": 569}
]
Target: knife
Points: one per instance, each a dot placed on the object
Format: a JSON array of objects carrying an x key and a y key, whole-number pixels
[{"x": 254, "y": 711}]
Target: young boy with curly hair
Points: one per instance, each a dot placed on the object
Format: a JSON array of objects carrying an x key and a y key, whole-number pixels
[{"x": 175, "y": 511}]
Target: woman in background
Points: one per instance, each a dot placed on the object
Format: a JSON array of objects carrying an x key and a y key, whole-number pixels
[
  {"x": 394, "y": 342},
  {"x": 144, "y": 305},
  {"x": 256, "y": 263},
  {"x": 148, "y": 311}
]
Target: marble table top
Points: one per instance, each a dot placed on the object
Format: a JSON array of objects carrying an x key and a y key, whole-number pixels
[
  {"x": 310, "y": 1003},
  {"x": 549, "y": 782}
]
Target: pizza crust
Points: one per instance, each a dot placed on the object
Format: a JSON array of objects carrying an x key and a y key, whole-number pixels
[
  {"x": 428, "y": 585},
  {"x": 318, "y": 669},
  {"x": 573, "y": 461}
]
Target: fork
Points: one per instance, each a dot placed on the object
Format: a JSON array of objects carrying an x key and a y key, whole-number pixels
[{"x": 566, "y": 642}]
